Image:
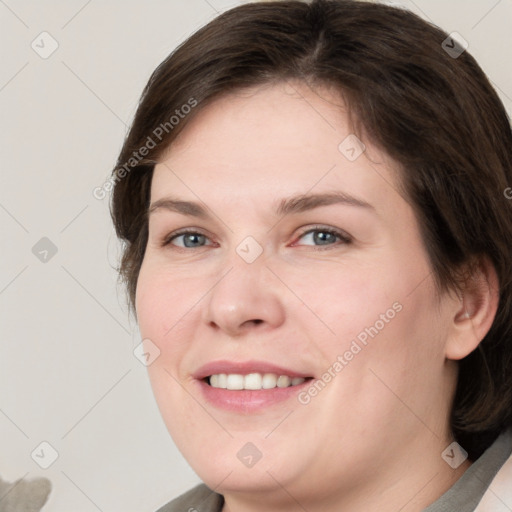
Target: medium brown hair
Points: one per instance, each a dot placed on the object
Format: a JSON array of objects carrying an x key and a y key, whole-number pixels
[{"x": 435, "y": 113}]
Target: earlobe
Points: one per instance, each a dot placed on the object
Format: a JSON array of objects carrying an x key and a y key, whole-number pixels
[{"x": 476, "y": 311}]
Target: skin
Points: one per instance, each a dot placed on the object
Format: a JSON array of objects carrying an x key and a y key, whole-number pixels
[{"x": 372, "y": 438}]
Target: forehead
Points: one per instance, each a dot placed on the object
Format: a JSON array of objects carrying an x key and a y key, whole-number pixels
[
  {"x": 272, "y": 117},
  {"x": 273, "y": 140}
]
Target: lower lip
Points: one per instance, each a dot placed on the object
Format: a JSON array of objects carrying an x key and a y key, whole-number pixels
[{"x": 247, "y": 400}]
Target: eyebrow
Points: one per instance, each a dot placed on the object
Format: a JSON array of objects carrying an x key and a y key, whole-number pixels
[{"x": 294, "y": 204}]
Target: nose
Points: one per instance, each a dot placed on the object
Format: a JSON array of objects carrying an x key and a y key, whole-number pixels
[{"x": 247, "y": 297}]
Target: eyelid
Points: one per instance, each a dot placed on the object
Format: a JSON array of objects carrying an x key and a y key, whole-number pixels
[
  {"x": 184, "y": 231},
  {"x": 343, "y": 235}
]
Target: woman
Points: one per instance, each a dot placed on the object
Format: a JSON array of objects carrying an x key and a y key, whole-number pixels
[{"x": 317, "y": 250}]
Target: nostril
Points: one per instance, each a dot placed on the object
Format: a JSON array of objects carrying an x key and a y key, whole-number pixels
[{"x": 256, "y": 321}]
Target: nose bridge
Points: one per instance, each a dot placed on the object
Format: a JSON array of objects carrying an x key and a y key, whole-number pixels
[{"x": 244, "y": 296}]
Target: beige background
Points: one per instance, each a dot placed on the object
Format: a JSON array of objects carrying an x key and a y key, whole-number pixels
[{"x": 68, "y": 375}]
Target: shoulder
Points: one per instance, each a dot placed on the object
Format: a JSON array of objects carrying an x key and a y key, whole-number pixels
[
  {"x": 199, "y": 499},
  {"x": 498, "y": 497}
]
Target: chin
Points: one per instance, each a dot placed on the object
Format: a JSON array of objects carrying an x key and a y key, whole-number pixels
[{"x": 240, "y": 465}]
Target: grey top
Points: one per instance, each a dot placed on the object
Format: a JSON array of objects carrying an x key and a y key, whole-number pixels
[
  {"x": 198, "y": 499},
  {"x": 466, "y": 493},
  {"x": 463, "y": 496}
]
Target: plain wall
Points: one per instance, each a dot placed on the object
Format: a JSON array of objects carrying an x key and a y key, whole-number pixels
[{"x": 68, "y": 375}]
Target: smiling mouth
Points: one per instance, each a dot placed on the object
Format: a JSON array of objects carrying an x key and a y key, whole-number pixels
[{"x": 253, "y": 381}]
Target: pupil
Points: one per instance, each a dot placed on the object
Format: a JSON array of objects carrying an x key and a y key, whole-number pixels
[
  {"x": 322, "y": 237},
  {"x": 191, "y": 239}
]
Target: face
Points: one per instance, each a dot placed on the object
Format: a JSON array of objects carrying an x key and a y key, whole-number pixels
[{"x": 302, "y": 279}]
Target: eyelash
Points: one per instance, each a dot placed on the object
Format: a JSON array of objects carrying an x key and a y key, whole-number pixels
[{"x": 343, "y": 237}]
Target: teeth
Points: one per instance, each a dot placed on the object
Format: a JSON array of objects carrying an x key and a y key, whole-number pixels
[
  {"x": 222, "y": 380},
  {"x": 283, "y": 381},
  {"x": 269, "y": 381},
  {"x": 253, "y": 381},
  {"x": 235, "y": 381}
]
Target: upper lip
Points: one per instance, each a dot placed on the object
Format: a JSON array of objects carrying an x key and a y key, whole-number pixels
[{"x": 244, "y": 368}]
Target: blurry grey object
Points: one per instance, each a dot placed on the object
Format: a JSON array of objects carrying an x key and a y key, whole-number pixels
[{"x": 24, "y": 495}]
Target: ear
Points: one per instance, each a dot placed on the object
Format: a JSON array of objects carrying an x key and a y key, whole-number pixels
[{"x": 473, "y": 317}]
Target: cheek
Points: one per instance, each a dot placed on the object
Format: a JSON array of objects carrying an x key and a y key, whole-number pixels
[
  {"x": 148, "y": 303},
  {"x": 376, "y": 316},
  {"x": 163, "y": 302},
  {"x": 401, "y": 360},
  {"x": 163, "y": 305},
  {"x": 343, "y": 302}
]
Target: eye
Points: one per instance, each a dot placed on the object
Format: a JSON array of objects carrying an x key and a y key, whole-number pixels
[
  {"x": 321, "y": 236},
  {"x": 318, "y": 236},
  {"x": 187, "y": 239}
]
